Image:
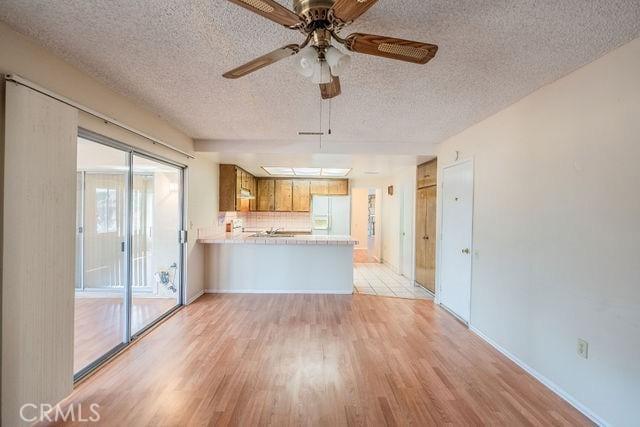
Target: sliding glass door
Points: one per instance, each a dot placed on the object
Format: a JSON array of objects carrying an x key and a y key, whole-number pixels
[
  {"x": 156, "y": 249},
  {"x": 101, "y": 265},
  {"x": 128, "y": 246}
]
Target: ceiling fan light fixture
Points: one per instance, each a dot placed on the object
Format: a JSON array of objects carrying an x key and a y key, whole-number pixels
[
  {"x": 321, "y": 73},
  {"x": 306, "y": 61},
  {"x": 338, "y": 61}
]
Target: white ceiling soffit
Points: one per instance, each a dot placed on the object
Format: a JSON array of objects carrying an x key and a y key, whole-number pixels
[{"x": 170, "y": 57}]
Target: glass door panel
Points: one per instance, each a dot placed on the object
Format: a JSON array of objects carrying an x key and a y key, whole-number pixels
[
  {"x": 155, "y": 245},
  {"x": 101, "y": 265}
]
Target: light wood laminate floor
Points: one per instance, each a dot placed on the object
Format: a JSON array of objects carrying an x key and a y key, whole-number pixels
[
  {"x": 99, "y": 324},
  {"x": 322, "y": 360}
]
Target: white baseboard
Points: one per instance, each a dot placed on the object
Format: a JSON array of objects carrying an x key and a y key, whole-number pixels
[
  {"x": 195, "y": 297},
  {"x": 544, "y": 380},
  {"x": 275, "y": 291}
]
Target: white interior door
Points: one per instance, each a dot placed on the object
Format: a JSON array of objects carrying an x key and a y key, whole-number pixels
[{"x": 457, "y": 227}]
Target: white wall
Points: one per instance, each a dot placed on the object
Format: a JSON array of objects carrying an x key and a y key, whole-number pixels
[
  {"x": 557, "y": 229},
  {"x": 202, "y": 205},
  {"x": 397, "y": 217},
  {"x": 360, "y": 216}
]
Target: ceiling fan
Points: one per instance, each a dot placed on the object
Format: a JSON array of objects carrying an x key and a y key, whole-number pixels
[{"x": 321, "y": 21}]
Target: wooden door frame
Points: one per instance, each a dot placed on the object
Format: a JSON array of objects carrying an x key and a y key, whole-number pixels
[{"x": 440, "y": 209}]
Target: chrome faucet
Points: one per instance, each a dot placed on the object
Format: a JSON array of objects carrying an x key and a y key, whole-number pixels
[{"x": 273, "y": 232}]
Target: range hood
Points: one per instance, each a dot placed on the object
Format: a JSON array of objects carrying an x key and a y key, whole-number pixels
[{"x": 245, "y": 195}]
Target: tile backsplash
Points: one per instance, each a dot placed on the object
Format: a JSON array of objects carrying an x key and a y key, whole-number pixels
[
  {"x": 266, "y": 220},
  {"x": 286, "y": 220}
]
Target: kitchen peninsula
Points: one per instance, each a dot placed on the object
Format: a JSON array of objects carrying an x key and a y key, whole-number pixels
[{"x": 250, "y": 263}]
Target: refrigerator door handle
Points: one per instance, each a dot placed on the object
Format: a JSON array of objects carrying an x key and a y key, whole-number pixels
[{"x": 330, "y": 215}]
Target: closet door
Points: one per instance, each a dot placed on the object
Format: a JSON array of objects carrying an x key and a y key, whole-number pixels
[{"x": 425, "y": 237}]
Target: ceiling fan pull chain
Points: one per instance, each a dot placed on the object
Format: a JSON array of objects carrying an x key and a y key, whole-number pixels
[
  {"x": 320, "y": 131},
  {"x": 329, "y": 131}
]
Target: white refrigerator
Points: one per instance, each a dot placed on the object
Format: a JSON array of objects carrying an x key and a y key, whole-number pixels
[{"x": 331, "y": 215}]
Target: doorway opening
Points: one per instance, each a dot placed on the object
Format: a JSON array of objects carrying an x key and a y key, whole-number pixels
[
  {"x": 365, "y": 225},
  {"x": 129, "y": 247}
]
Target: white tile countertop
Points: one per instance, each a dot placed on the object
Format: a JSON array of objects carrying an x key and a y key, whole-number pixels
[
  {"x": 302, "y": 239},
  {"x": 286, "y": 230}
]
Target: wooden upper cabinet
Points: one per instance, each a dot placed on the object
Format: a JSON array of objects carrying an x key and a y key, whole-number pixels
[
  {"x": 291, "y": 195},
  {"x": 233, "y": 179},
  {"x": 427, "y": 174},
  {"x": 239, "y": 174},
  {"x": 246, "y": 180},
  {"x": 266, "y": 194},
  {"x": 319, "y": 186},
  {"x": 284, "y": 195},
  {"x": 253, "y": 188},
  {"x": 339, "y": 187},
  {"x": 301, "y": 196},
  {"x": 227, "y": 188}
]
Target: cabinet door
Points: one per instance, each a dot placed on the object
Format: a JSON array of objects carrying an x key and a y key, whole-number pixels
[
  {"x": 319, "y": 186},
  {"x": 284, "y": 195},
  {"x": 238, "y": 187},
  {"x": 253, "y": 189},
  {"x": 266, "y": 194},
  {"x": 427, "y": 174},
  {"x": 301, "y": 196},
  {"x": 227, "y": 188},
  {"x": 339, "y": 187},
  {"x": 246, "y": 180}
]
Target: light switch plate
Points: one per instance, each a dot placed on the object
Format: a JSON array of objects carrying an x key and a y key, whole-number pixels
[{"x": 583, "y": 348}]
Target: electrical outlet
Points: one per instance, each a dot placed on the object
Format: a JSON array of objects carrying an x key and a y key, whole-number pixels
[{"x": 583, "y": 348}]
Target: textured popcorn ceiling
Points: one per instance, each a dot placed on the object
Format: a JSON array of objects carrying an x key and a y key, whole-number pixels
[{"x": 169, "y": 56}]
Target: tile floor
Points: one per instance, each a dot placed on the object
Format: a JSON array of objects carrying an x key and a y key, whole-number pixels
[{"x": 378, "y": 279}]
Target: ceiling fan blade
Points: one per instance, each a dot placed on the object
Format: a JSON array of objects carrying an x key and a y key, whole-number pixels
[
  {"x": 270, "y": 9},
  {"x": 348, "y": 10},
  {"x": 330, "y": 90},
  {"x": 262, "y": 61},
  {"x": 389, "y": 47}
]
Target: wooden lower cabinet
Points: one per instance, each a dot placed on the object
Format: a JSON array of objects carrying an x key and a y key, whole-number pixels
[
  {"x": 266, "y": 194},
  {"x": 301, "y": 196},
  {"x": 283, "y": 195},
  {"x": 426, "y": 237}
]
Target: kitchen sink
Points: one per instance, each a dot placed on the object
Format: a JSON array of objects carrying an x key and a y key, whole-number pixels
[{"x": 272, "y": 236}]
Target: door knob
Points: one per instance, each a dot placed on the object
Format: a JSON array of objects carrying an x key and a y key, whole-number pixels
[{"x": 466, "y": 251}]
